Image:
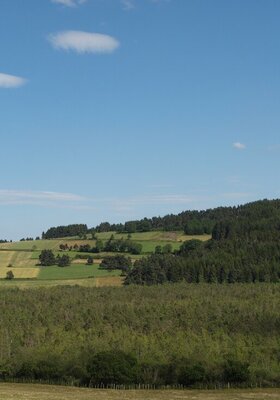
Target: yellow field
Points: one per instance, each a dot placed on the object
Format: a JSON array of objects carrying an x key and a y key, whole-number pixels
[
  {"x": 108, "y": 281},
  {"x": 26, "y": 284},
  {"x": 182, "y": 237},
  {"x": 17, "y": 259},
  {"x": 22, "y": 265},
  {"x": 47, "y": 392},
  {"x": 20, "y": 273}
]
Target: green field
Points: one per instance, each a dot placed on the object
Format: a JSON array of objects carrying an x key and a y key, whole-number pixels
[
  {"x": 39, "y": 245},
  {"x": 48, "y": 392},
  {"x": 156, "y": 237},
  {"x": 74, "y": 271}
]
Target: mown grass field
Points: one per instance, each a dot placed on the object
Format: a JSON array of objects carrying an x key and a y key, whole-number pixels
[
  {"x": 21, "y": 263},
  {"x": 17, "y": 259},
  {"x": 23, "y": 258},
  {"x": 47, "y": 392}
]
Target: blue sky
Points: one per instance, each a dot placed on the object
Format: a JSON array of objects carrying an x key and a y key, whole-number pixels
[{"x": 115, "y": 110}]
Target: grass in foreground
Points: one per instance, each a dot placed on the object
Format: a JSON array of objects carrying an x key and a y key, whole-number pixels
[{"x": 46, "y": 392}]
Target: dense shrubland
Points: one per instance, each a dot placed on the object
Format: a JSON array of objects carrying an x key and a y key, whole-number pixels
[{"x": 167, "y": 334}]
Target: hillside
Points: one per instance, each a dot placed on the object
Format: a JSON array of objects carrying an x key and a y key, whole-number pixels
[
  {"x": 195, "y": 310},
  {"x": 243, "y": 247},
  {"x": 22, "y": 258}
]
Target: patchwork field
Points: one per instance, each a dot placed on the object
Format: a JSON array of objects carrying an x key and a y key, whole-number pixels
[
  {"x": 25, "y": 269},
  {"x": 22, "y": 258},
  {"x": 47, "y": 392}
]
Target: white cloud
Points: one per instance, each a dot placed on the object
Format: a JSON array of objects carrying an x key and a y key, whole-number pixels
[
  {"x": 84, "y": 42},
  {"x": 69, "y": 3},
  {"x": 37, "y": 197},
  {"x": 239, "y": 146},
  {"x": 11, "y": 81},
  {"x": 128, "y": 4}
]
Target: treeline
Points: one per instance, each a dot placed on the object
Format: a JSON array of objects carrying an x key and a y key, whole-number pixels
[
  {"x": 195, "y": 222},
  {"x": 237, "y": 262},
  {"x": 63, "y": 231},
  {"x": 166, "y": 335},
  {"x": 29, "y": 239},
  {"x": 112, "y": 245},
  {"x": 191, "y": 222},
  {"x": 109, "y": 368},
  {"x": 243, "y": 248}
]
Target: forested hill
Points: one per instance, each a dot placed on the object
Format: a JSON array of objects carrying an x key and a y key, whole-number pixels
[
  {"x": 261, "y": 213},
  {"x": 245, "y": 247},
  {"x": 199, "y": 222}
]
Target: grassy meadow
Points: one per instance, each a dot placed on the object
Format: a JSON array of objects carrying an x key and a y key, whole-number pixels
[
  {"x": 48, "y": 392},
  {"x": 22, "y": 258}
]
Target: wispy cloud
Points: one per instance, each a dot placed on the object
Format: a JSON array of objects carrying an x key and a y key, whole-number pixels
[
  {"x": 160, "y": 1},
  {"x": 239, "y": 146},
  {"x": 233, "y": 179},
  {"x": 44, "y": 198},
  {"x": 69, "y": 3},
  {"x": 84, "y": 42},
  {"x": 128, "y": 4},
  {"x": 237, "y": 195},
  {"x": 160, "y": 186},
  {"x": 274, "y": 147},
  {"x": 11, "y": 81}
]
